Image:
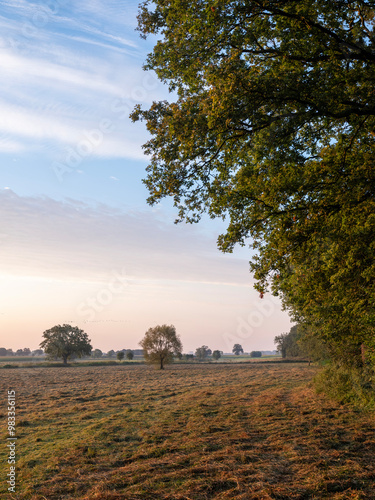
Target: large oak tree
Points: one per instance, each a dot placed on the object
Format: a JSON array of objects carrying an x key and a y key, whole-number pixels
[
  {"x": 66, "y": 341},
  {"x": 271, "y": 125}
]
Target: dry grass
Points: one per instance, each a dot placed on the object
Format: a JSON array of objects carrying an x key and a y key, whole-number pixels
[{"x": 245, "y": 431}]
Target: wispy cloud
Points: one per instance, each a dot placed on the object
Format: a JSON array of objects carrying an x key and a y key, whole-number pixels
[
  {"x": 55, "y": 87},
  {"x": 41, "y": 236},
  {"x": 46, "y": 73}
]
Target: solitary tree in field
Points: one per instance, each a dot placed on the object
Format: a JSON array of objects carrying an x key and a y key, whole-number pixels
[
  {"x": 237, "y": 349},
  {"x": 66, "y": 341},
  {"x": 120, "y": 355},
  {"x": 130, "y": 355},
  {"x": 160, "y": 344},
  {"x": 216, "y": 355},
  {"x": 202, "y": 353}
]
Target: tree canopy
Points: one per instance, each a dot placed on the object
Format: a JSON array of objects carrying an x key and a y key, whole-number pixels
[
  {"x": 66, "y": 341},
  {"x": 202, "y": 353},
  {"x": 216, "y": 355},
  {"x": 160, "y": 344},
  {"x": 120, "y": 355},
  {"x": 271, "y": 125},
  {"x": 237, "y": 349}
]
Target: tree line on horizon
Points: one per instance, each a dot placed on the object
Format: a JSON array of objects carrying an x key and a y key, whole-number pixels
[
  {"x": 200, "y": 353},
  {"x": 68, "y": 342},
  {"x": 160, "y": 345}
]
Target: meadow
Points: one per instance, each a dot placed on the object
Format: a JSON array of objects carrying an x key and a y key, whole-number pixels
[{"x": 190, "y": 432}]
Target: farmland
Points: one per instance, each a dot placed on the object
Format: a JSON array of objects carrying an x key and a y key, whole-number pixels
[{"x": 220, "y": 431}]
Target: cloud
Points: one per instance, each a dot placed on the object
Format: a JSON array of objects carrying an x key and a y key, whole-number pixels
[
  {"x": 52, "y": 105},
  {"x": 44, "y": 237},
  {"x": 85, "y": 136},
  {"x": 8, "y": 145},
  {"x": 44, "y": 73},
  {"x": 67, "y": 68}
]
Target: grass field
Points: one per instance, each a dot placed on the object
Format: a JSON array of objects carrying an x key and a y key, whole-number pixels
[{"x": 192, "y": 432}]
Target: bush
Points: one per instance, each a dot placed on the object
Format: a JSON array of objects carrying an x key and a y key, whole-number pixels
[
  {"x": 255, "y": 354},
  {"x": 355, "y": 386}
]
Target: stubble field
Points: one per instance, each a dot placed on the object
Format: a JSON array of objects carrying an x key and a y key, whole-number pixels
[{"x": 192, "y": 432}]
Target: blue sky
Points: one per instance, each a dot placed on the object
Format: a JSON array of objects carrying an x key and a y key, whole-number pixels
[{"x": 78, "y": 242}]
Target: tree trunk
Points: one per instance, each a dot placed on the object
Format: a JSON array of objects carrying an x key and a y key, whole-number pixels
[
  {"x": 65, "y": 360},
  {"x": 161, "y": 364}
]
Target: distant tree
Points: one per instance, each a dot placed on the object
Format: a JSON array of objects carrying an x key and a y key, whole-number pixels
[
  {"x": 255, "y": 354},
  {"x": 202, "y": 353},
  {"x": 216, "y": 355},
  {"x": 66, "y": 341},
  {"x": 37, "y": 352},
  {"x": 288, "y": 343},
  {"x": 310, "y": 345},
  {"x": 23, "y": 352},
  {"x": 188, "y": 357},
  {"x": 129, "y": 355},
  {"x": 10, "y": 352},
  {"x": 160, "y": 344},
  {"x": 237, "y": 349},
  {"x": 3, "y": 351},
  {"x": 97, "y": 353},
  {"x": 280, "y": 342},
  {"x": 111, "y": 353},
  {"x": 120, "y": 355}
]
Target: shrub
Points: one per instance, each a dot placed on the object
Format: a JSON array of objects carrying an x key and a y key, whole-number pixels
[{"x": 346, "y": 385}]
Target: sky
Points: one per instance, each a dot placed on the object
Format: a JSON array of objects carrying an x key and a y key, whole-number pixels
[{"x": 78, "y": 242}]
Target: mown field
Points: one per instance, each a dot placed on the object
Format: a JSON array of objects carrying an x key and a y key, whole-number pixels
[{"x": 192, "y": 432}]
